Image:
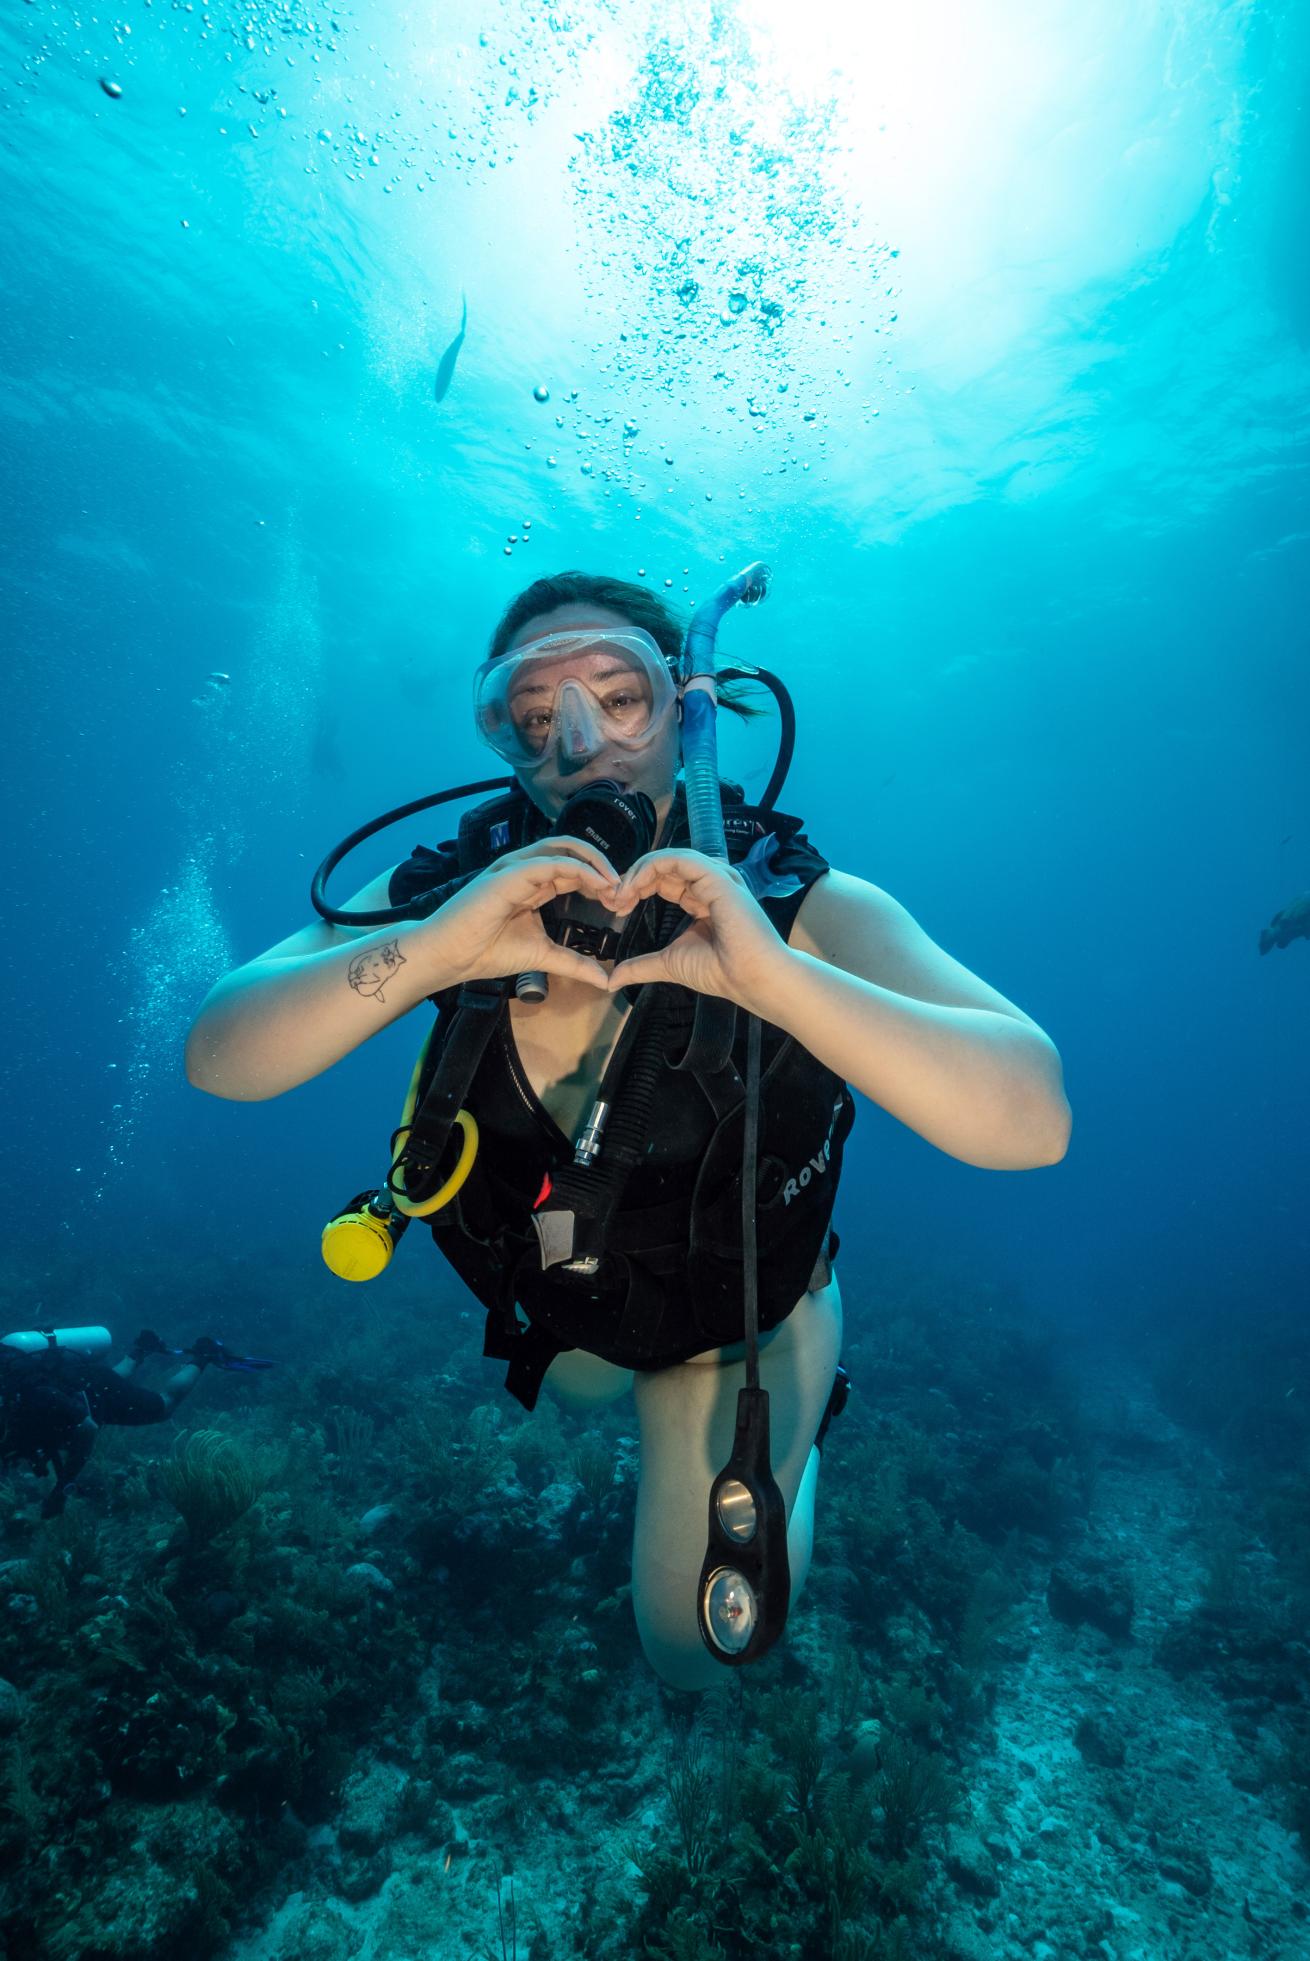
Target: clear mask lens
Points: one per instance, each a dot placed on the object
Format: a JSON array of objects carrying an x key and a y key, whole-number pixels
[{"x": 570, "y": 695}]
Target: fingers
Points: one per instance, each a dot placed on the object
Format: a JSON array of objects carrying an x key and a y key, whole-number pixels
[
  {"x": 690, "y": 882},
  {"x": 629, "y": 973},
  {"x": 566, "y": 847},
  {"x": 564, "y": 961},
  {"x": 541, "y": 879}
]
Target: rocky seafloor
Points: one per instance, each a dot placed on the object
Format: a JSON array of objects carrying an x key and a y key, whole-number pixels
[{"x": 341, "y": 1666}]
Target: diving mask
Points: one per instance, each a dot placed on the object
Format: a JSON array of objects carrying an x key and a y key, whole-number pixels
[{"x": 570, "y": 695}]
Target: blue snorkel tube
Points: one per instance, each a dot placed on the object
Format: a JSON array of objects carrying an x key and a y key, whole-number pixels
[{"x": 700, "y": 703}]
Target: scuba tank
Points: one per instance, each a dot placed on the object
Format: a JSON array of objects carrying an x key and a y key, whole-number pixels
[{"x": 91, "y": 1342}]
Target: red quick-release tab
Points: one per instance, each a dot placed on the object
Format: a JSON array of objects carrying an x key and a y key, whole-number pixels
[{"x": 543, "y": 1194}]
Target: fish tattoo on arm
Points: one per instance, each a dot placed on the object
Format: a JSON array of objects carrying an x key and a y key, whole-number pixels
[{"x": 368, "y": 973}]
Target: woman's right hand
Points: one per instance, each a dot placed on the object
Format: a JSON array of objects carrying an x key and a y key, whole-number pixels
[
  {"x": 298, "y": 1008},
  {"x": 494, "y": 926}
]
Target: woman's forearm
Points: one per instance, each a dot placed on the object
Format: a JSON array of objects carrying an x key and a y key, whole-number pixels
[
  {"x": 981, "y": 1085},
  {"x": 277, "y": 1022}
]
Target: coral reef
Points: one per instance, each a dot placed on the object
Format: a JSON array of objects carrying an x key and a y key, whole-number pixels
[{"x": 346, "y": 1670}]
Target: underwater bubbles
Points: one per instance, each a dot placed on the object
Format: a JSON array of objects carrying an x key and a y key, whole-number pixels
[
  {"x": 541, "y": 393},
  {"x": 282, "y": 735},
  {"x": 171, "y": 960}
]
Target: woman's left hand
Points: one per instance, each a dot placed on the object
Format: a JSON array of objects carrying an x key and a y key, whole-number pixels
[{"x": 728, "y": 948}]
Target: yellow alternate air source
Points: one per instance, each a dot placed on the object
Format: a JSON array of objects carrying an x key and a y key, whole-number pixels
[{"x": 357, "y": 1245}]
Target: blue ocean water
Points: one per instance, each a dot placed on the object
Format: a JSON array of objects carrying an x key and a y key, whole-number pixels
[
  {"x": 1023, "y": 441},
  {"x": 986, "y": 326}
]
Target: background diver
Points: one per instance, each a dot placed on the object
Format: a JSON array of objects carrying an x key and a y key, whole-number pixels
[
  {"x": 57, "y": 1393},
  {"x": 587, "y": 688},
  {"x": 1292, "y": 923}
]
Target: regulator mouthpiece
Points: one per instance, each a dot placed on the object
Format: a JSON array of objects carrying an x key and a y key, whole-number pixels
[{"x": 622, "y": 824}]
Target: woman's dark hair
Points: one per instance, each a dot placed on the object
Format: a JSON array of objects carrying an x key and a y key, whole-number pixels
[{"x": 638, "y": 604}]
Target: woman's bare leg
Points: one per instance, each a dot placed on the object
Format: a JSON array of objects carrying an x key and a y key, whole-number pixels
[{"x": 584, "y": 1381}]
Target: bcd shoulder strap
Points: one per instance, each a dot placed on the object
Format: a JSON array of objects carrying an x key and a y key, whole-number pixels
[{"x": 491, "y": 829}]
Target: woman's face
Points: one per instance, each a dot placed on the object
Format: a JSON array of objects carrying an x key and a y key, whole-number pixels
[{"x": 652, "y": 768}]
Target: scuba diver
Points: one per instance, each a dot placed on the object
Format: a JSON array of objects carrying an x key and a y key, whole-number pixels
[
  {"x": 56, "y": 1394},
  {"x": 625, "y": 1130}
]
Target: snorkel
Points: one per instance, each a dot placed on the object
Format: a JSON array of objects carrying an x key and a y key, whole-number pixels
[{"x": 700, "y": 701}]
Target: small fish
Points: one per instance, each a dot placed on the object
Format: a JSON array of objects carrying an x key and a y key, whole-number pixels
[
  {"x": 215, "y": 682},
  {"x": 446, "y": 366}
]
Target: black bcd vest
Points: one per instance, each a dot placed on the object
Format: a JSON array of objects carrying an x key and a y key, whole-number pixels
[{"x": 669, "y": 1283}]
